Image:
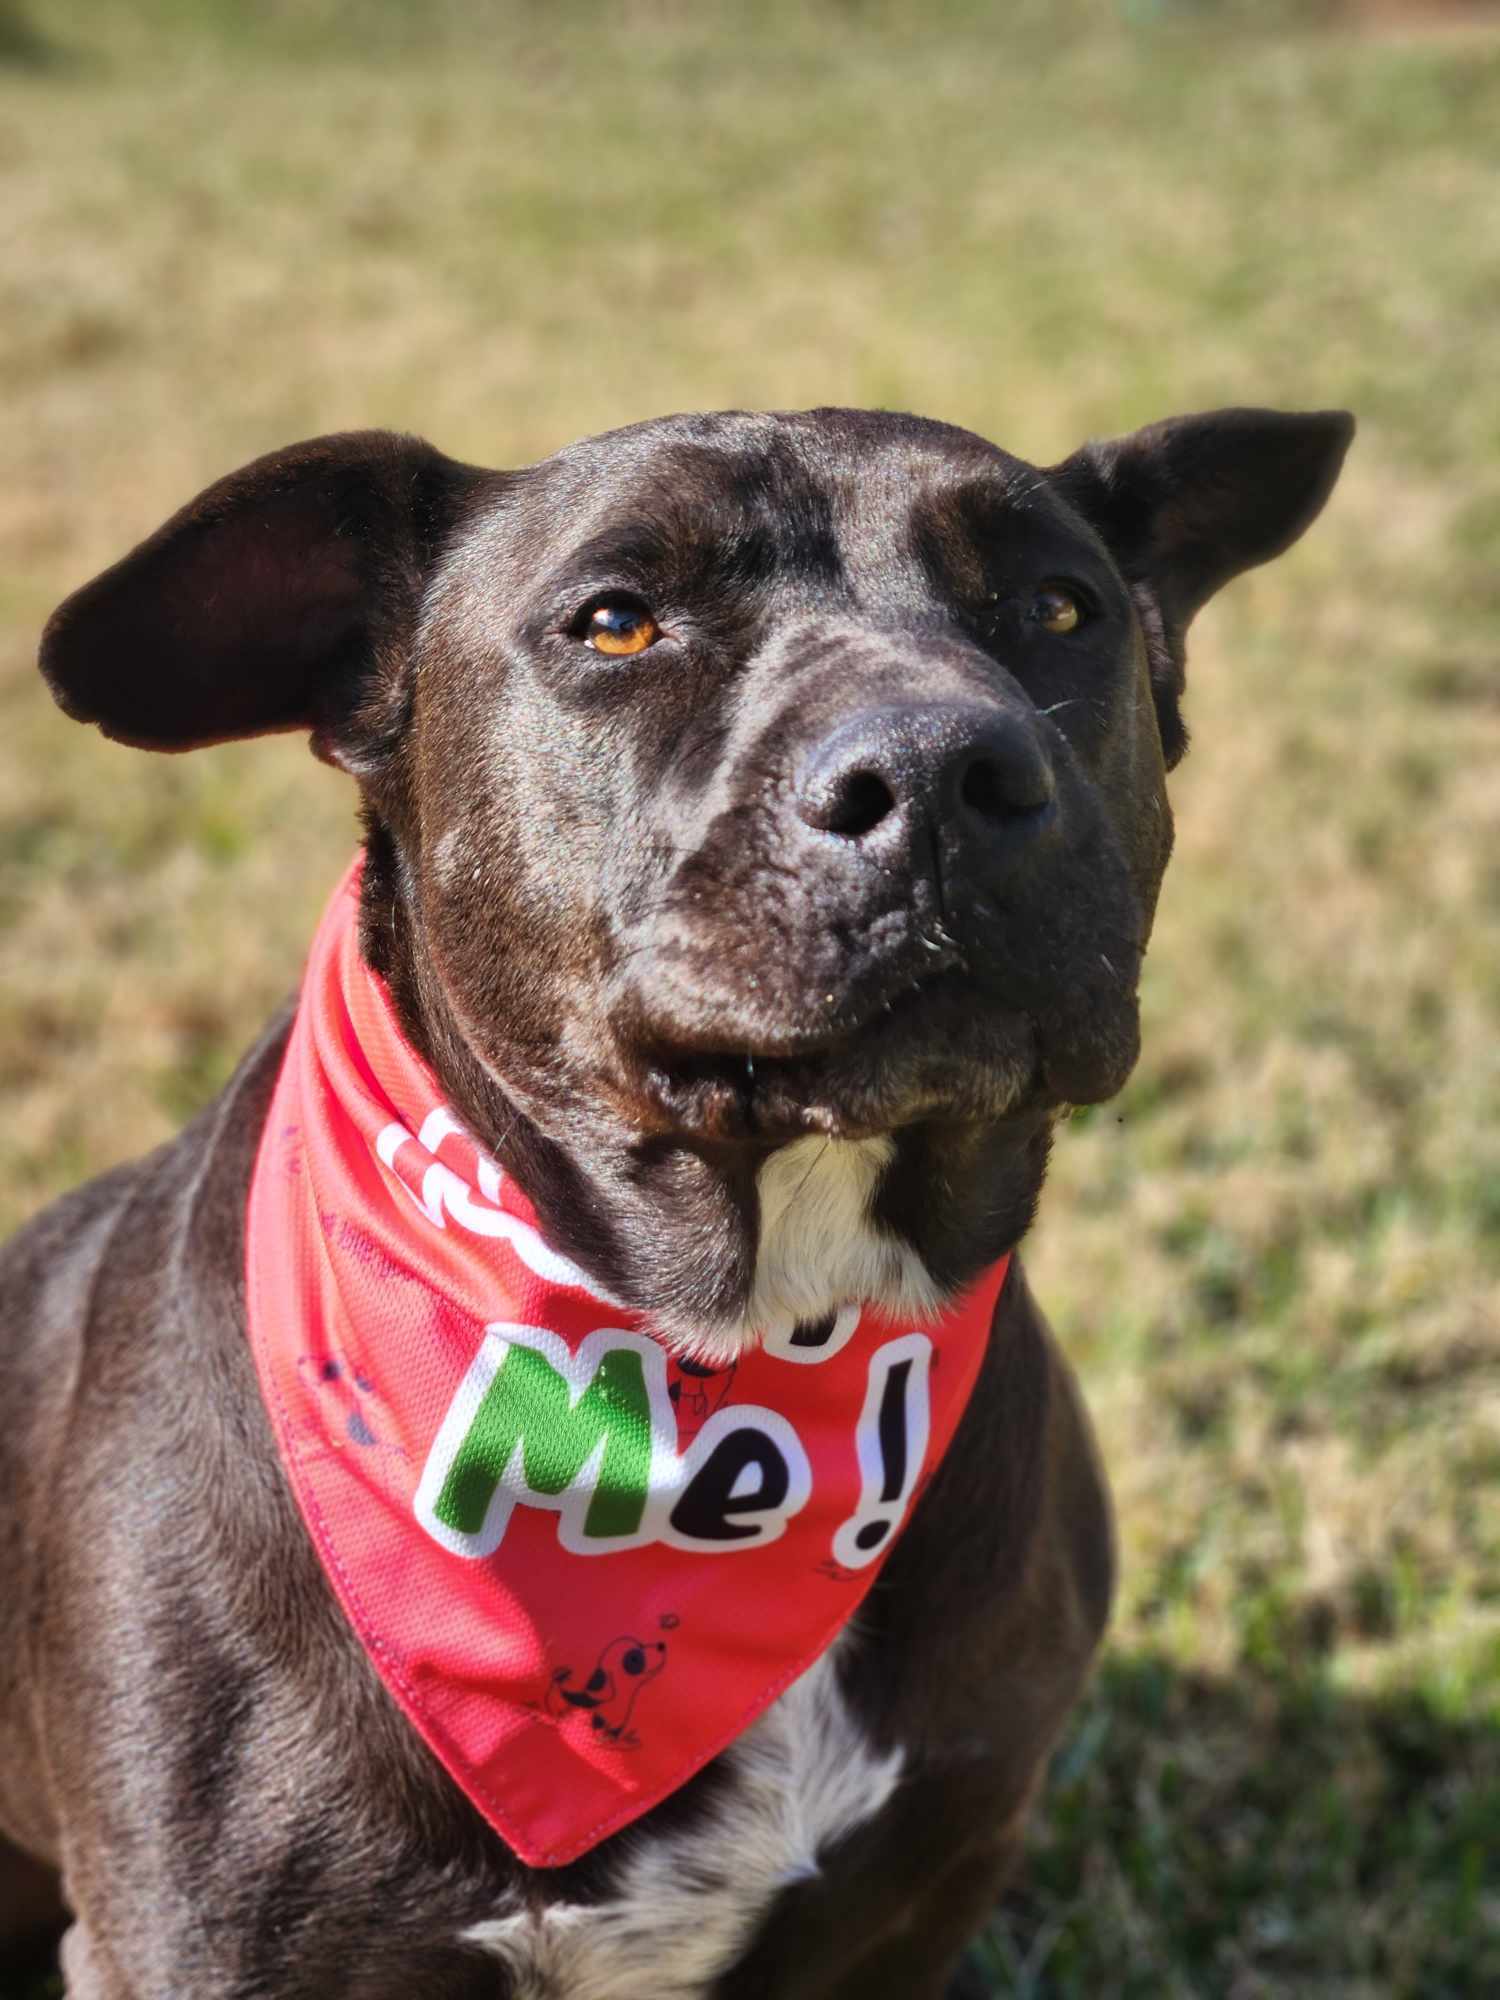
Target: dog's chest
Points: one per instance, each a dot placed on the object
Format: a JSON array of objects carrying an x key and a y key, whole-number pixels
[{"x": 685, "y": 1904}]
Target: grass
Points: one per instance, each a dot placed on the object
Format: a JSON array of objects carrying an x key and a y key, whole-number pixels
[{"x": 1276, "y": 1259}]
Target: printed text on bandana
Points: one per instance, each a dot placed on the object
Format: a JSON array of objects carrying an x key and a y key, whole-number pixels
[{"x": 591, "y": 1435}]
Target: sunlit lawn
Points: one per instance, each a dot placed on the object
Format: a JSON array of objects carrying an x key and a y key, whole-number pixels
[{"x": 1276, "y": 1260}]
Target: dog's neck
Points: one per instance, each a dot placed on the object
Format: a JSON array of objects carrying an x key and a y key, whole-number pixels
[{"x": 715, "y": 1243}]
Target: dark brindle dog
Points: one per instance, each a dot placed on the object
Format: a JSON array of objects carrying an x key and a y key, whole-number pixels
[{"x": 765, "y": 816}]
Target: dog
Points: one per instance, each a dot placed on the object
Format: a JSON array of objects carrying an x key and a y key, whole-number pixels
[{"x": 763, "y": 821}]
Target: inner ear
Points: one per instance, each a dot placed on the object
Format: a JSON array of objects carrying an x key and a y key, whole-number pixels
[
  {"x": 283, "y": 597},
  {"x": 1187, "y": 504}
]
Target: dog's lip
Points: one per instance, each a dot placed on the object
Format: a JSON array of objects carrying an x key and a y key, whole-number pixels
[
  {"x": 744, "y": 1023},
  {"x": 720, "y": 1090},
  {"x": 672, "y": 1045}
]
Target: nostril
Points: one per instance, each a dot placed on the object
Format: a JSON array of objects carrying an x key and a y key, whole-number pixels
[
  {"x": 982, "y": 791},
  {"x": 860, "y": 802},
  {"x": 993, "y": 793}
]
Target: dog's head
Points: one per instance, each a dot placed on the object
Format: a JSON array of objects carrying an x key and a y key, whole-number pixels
[{"x": 728, "y": 778}]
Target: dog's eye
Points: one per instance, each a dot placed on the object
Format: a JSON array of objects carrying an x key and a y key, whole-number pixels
[
  {"x": 617, "y": 625},
  {"x": 1055, "y": 609}
]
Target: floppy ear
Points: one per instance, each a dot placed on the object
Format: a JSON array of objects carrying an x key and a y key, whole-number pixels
[
  {"x": 1187, "y": 504},
  {"x": 284, "y": 597}
]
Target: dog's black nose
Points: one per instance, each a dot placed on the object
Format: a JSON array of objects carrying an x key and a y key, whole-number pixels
[{"x": 975, "y": 774}]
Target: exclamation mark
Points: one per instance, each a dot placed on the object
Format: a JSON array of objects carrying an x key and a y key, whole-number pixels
[{"x": 892, "y": 1445}]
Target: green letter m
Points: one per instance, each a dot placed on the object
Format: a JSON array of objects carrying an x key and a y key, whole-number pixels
[{"x": 529, "y": 1404}]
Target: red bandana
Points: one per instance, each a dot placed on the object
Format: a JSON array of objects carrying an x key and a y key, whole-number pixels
[{"x": 581, "y": 1565}]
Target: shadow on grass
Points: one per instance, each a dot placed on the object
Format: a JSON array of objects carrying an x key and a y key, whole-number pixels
[
  {"x": 1254, "y": 1837},
  {"x": 1243, "y": 1838},
  {"x": 23, "y": 46}
]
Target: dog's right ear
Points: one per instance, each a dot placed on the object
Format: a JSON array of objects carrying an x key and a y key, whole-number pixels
[
  {"x": 284, "y": 597},
  {"x": 1187, "y": 504}
]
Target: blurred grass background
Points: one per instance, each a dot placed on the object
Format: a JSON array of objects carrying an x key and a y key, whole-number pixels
[{"x": 1276, "y": 1259}]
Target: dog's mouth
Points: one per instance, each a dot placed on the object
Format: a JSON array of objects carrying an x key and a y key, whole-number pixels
[
  {"x": 927, "y": 1033},
  {"x": 933, "y": 1048},
  {"x": 851, "y": 1012}
]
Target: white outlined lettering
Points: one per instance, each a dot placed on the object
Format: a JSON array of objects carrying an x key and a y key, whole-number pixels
[
  {"x": 442, "y": 1193},
  {"x": 892, "y": 1444},
  {"x": 591, "y": 1437},
  {"x": 808, "y": 1344}
]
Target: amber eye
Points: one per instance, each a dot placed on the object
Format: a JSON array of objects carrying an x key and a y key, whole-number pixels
[
  {"x": 619, "y": 627},
  {"x": 1055, "y": 610}
]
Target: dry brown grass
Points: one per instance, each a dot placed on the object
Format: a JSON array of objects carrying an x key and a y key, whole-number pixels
[{"x": 1277, "y": 1259}]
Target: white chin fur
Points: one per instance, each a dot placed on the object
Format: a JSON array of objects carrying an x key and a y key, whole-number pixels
[{"x": 819, "y": 1247}]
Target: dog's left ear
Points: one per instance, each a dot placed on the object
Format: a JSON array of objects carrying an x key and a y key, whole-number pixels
[
  {"x": 283, "y": 597},
  {"x": 1187, "y": 504}
]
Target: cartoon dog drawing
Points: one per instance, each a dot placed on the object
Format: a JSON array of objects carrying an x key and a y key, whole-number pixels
[
  {"x": 348, "y": 1408},
  {"x": 623, "y": 1669}
]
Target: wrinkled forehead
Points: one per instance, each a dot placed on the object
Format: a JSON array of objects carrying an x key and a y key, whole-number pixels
[{"x": 838, "y": 500}]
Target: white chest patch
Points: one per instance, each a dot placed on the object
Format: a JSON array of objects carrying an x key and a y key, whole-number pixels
[
  {"x": 686, "y": 1904},
  {"x": 819, "y": 1246}
]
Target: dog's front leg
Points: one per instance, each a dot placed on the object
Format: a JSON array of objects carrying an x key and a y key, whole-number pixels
[{"x": 925, "y": 1958}]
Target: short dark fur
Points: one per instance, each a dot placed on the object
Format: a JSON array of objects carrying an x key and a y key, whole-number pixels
[{"x": 856, "y": 848}]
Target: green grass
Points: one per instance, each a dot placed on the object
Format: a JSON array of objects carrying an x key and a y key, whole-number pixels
[{"x": 1276, "y": 1260}]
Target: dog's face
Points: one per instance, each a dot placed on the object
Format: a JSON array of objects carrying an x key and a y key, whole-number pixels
[
  {"x": 811, "y": 780},
  {"x": 729, "y": 778}
]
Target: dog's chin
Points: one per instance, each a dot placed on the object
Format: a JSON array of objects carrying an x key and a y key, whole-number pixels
[{"x": 942, "y": 1052}]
